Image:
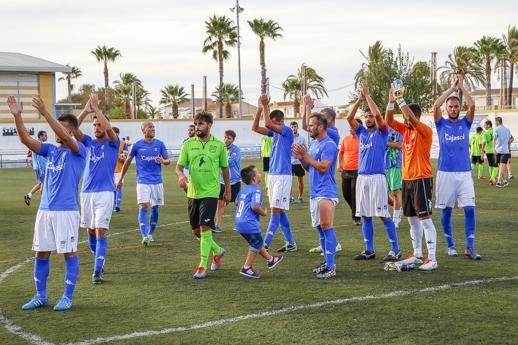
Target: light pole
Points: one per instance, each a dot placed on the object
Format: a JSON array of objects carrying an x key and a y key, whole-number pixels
[{"x": 238, "y": 10}]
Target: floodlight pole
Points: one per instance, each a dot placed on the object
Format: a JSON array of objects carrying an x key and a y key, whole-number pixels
[
  {"x": 192, "y": 101},
  {"x": 238, "y": 10}
]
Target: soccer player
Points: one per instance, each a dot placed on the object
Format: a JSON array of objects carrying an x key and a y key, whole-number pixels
[
  {"x": 266, "y": 152},
  {"x": 454, "y": 181},
  {"x": 320, "y": 161},
  {"x": 502, "y": 141},
  {"x": 191, "y": 132},
  {"x": 371, "y": 185},
  {"x": 417, "y": 177},
  {"x": 488, "y": 150},
  {"x": 393, "y": 164},
  {"x": 475, "y": 149},
  {"x": 279, "y": 182},
  {"x": 206, "y": 156},
  {"x": 57, "y": 221},
  {"x": 150, "y": 154},
  {"x": 39, "y": 164},
  {"x": 248, "y": 209},
  {"x": 234, "y": 165},
  {"x": 123, "y": 154},
  {"x": 296, "y": 166}
]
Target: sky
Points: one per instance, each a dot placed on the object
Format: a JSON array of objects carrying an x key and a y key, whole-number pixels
[{"x": 161, "y": 41}]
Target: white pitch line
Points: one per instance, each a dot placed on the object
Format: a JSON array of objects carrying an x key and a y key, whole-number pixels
[{"x": 292, "y": 309}]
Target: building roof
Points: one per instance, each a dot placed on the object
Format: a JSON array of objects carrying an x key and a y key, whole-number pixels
[
  {"x": 17, "y": 62},
  {"x": 494, "y": 92}
]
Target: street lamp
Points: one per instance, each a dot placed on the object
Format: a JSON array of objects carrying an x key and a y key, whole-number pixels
[{"x": 238, "y": 10}]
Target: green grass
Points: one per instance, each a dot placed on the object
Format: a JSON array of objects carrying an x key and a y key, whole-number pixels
[{"x": 152, "y": 288}]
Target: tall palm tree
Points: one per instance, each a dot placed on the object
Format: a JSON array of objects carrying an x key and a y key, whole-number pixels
[
  {"x": 264, "y": 29},
  {"x": 123, "y": 90},
  {"x": 230, "y": 95},
  {"x": 104, "y": 54},
  {"x": 152, "y": 111},
  {"x": 73, "y": 74},
  {"x": 488, "y": 49},
  {"x": 174, "y": 94},
  {"x": 463, "y": 61},
  {"x": 221, "y": 33},
  {"x": 511, "y": 55},
  {"x": 292, "y": 86}
]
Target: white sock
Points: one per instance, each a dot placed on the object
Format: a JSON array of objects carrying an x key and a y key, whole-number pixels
[
  {"x": 431, "y": 237},
  {"x": 397, "y": 214},
  {"x": 29, "y": 194},
  {"x": 416, "y": 234}
]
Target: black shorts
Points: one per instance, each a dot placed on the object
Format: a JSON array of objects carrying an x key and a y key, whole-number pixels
[
  {"x": 417, "y": 197},
  {"x": 266, "y": 164},
  {"x": 491, "y": 160},
  {"x": 502, "y": 158},
  {"x": 234, "y": 189},
  {"x": 297, "y": 170},
  {"x": 477, "y": 159},
  {"x": 202, "y": 212}
]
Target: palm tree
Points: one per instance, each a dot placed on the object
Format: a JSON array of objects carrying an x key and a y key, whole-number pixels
[
  {"x": 123, "y": 90},
  {"x": 264, "y": 29},
  {"x": 511, "y": 55},
  {"x": 488, "y": 49},
  {"x": 221, "y": 32},
  {"x": 152, "y": 111},
  {"x": 292, "y": 86},
  {"x": 230, "y": 95},
  {"x": 463, "y": 61},
  {"x": 174, "y": 94},
  {"x": 104, "y": 54},
  {"x": 73, "y": 74}
]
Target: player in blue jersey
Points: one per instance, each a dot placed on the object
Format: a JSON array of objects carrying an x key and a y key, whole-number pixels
[
  {"x": 371, "y": 186},
  {"x": 234, "y": 165},
  {"x": 454, "y": 181},
  {"x": 320, "y": 161},
  {"x": 98, "y": 190},
  {"x": 123, "y": 154},
  {"x": 57, "y": 221},
  {"x": 393, "y": 173},
  {"x": 150, "y": 153},
  {"x": 249, "y": 204},
  {"x": 39, "y": 164},
  {"x": 296, "y": 166},
  {"x": 279, "y": 180}
]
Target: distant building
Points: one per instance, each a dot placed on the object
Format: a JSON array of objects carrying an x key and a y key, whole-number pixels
[
  {"x": 479, "y": 97},
  {"x": 185, "y": 111},
  {"x": 26, "y": 77}
]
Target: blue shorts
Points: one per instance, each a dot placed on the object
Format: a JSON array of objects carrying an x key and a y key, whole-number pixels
[
  {"x": 40, "y": 176},
  {"x": 255, "y": 241}
]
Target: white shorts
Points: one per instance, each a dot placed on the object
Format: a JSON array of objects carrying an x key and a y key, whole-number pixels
[
  {"x": 279, "y": 190},
  {"x": 116, "y": 177},
  {"x": 314, "y": 209},
  {"x": 150, "y": 193},
  {"x": 372, "y": 196},
  {"x": 56, "y": 231},
  {"x": 454, "y": 186},
  {"x": 96, "y": 209}
]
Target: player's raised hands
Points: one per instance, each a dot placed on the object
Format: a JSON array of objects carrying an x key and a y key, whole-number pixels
[
  {"x": 364, "y": 88},
  {"x": 264, "y": 100},
  {"x": 94, "y": 101},
  {"x": 308, "y": 102},
  {"x": 38, "y": 103},
  {"x": 15, "y": 107},
  {"x": 391, "y": 97}
]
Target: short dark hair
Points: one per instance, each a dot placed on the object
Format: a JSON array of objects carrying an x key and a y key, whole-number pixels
[
  {"x": 489, "y": 123},
  {"x": 293, "y": 123},
  {"x": 71, "y": 119},
  {"x": 116, "y": 130},
  {"x": 499, "y": 119},
  {"x": 247, "y": 174},
  {"x": 192, "y": 126},
  {"x": 328, "y": 112},
  {"x": 321, "y": 119},
  {"x": 106, "y": 117},
  {"x": 230, "y": 133},
  {"x": 204, "y": 116},
  {"x": 479, "y": 130},
  {"x": 41, "y": 133},
  {"x": 416, "y": 109},
  {"x": 277, "y": 115}
]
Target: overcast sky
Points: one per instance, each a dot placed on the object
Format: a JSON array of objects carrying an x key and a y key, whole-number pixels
[{"x": 161, "y": 41}]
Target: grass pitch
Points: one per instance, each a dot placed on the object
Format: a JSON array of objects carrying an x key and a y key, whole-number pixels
[{"x": 152, "y": 288}]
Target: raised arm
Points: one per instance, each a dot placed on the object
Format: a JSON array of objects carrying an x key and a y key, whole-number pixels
[
  {"x": 437, "y": 114},
  {"x": 94, "y": 103},
  {"x": 255, "y": 124},
  {"x": 396, "y": 93},
  {"x": 306, "y": 112},
  {"x": 380, "y": 123},
  {"x": 350, "y": 117},
  {"x": 265, "y": 103},
  {"x": 86, "y": 110},
  {"x": 389, "y": 112},
  {"x": 470, "y": 115},
  {"x": 17, "y": 109}
]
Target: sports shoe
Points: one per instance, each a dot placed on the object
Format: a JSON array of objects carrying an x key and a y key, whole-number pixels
[
  {"x": 266, "y": 247},
  {"x": 505, "y": 183},
  {"x": 292, "y": 200},
  {"x": 249, "y": 272},
  {"x": 319, "y": 268},
  {"x": 145, "y": 241},
  {"x": 392, "y": 256},
  {"x": 27, "y": 198},
  {"x": 216, "y": 260},
  {"x": 492, "y": 182},
  {"x": 326, "y": 273},
  {"x": 36, "y": 302},
  {"x": 428, "y": 265},
  {"x": 150, "y": 238},
  {"x": 500, "y": 184},
  {"x": 287, "y": 248},
  {"x": 415, "y": 260},
  {"x": 200, "y": 273},
  {"x": 396, "y": 222},
  {"x": 481, "y": 177},
  {"x": 472, "y": 254},
  {"x": 217, "y": 230},
  {"x": 452, "y": 251},
  {"x": 274, "y": 262},
  {"x": 117, "y": 209},
  {"x": 316, "y": 250},
  {"x": 510, "y": 177},
  {"x": 357, "y": 221},
  {"x": 97, "y": 278},
  {"x": 63, "y": 304},
  {"x": 365, "y": 255},
  {"x": 299, "y": 200},
  {"x": 338, "y": 249}
]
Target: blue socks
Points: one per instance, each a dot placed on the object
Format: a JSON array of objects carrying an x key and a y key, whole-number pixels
[
  {"x": 153, "y": 220},
  {"x": 322, "y": 238},
  {"x": 286, "y": 228},
  {"x": 469, "y": 226},
  {"x": 330, "y": 247},
  {"x": 72, "y": 271},
  {"x": 118, "y": 197},
  {"x": 92, "y": 243},
  {"x": 272, "y": 228},
  {"x": 41, "y": 273},
  {"x": 100, "y": 254},
  {"x": 368, "y": 234},
  {"x": 447, "y": 226},
  {"x": 142, "y": 220},
  {"x": 390, "y": 228}
]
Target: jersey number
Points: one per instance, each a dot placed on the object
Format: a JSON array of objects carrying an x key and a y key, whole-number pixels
[{"x": 240, "y": 208}]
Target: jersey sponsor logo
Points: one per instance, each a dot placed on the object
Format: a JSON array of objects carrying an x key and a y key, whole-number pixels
[
  {"x": 453, "y": 138},
  {"x": 52, "y": 167},
  {"x": 202, "y": 161},
  {"x": 148, "y": 158},
  {"x": 365, "y": 146},
  {"x": 212, "y": 148},
  {"x": 94, "y": 158}
]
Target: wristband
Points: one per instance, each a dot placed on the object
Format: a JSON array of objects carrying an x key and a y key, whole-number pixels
[
  {"x": 390, "y": 106},
  {"x": 400, "y": 102}
]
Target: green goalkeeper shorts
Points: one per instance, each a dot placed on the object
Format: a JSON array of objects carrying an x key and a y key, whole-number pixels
[{"x": 394, "y": 180}]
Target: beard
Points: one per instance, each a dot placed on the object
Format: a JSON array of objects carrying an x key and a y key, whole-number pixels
[
  {"x": 370, "y": 126},
  {"x": 201, "y": 134}
]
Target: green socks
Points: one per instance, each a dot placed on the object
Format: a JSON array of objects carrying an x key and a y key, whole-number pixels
[
  {"x": 480, "y": 170},
  {"x": 205, "y": 247}
]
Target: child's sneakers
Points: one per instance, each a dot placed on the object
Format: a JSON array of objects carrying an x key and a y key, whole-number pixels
[{"x": 249, "y": 272}]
